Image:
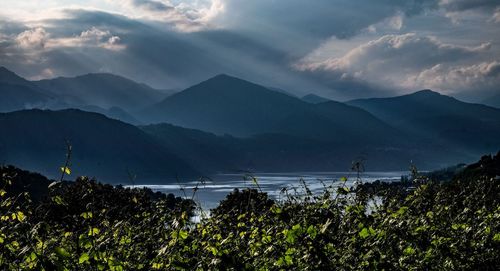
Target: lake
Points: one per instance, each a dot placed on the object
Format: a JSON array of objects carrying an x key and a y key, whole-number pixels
[{"x": 217, "y": 187}]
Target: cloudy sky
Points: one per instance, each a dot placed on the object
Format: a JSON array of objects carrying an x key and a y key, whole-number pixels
[{"x": 341, "y": 49}]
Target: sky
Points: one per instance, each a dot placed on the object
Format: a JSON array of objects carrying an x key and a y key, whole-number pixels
[{"x": 339, "y": 49}]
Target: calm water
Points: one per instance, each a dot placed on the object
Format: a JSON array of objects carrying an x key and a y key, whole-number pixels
[{"x": 214, "y": 190}]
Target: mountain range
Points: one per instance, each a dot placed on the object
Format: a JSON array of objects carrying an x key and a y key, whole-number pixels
[
  {"x": 439, "y": 118},
  {"x": 314, "y": 99},
  {"x": 101, "y": 147},
  {"x": 229, "y": 105},
  {"x": 493, "y": 101},
  {"x": 109, "y": 94},
  {"x": 228, "y": 124}
]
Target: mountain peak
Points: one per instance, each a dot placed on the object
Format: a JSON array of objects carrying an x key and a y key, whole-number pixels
[
  {"x": 6, "y": 72},
  {"x": 223, "y": 77},
  {"x": 224, "y": 82},
  {"x": 10, "y": 77},
  {"x": 426, "y": 92}
]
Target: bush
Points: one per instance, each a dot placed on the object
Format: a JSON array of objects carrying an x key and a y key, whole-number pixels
[{"x": 91, "y": 226}]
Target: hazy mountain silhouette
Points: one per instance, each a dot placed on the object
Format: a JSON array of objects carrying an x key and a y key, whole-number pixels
[
  {"x": 112, "y": 112},
  {"x": 228, "y": 105},
  {"x": 224, "y": 104},
  {"x": 101, "y": 93},
  {"x": 282, "y": 153},
  {"x": 245, "y": 127},
  {"x": 314, "y": 99},
  {"x": 102, "y": 147},
  {"x": 16, "y": 97},
  {"x": 18, "y": 93},
  {"x": 10, "y": 77},
  {"x": 282, "y": 91},
  {"x": 206, "y": 151},
  {"x": 493, "y": 101},
  {"x": 103, "y": 90},
  {"x": 337, "y": 122},
  {"x": 441, "y": 118}
]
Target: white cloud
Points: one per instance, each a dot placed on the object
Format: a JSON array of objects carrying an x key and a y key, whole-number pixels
[
  {"x": 93, "y": 37},
  {"x": 460, "y": 10},
  {"x": 185, "y": 16},
  {"x": 461, "y": 5},
  {"x": 496, "y": 16},
  {"x": 94, "y": 34},
  {"x": 32, "y": 39},
  {"x": 485, "y": 76},
  {"x": 409, "y": 62},
  {"x": 44, "y": 74},
  {"x": 396, "y": 22}
]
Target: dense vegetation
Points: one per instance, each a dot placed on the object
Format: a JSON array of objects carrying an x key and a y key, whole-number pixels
[{"x": 419, "y": 225}]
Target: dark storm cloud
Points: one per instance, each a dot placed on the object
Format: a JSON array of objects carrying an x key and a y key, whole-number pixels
[
  {"x": 151, "y": 5},
  {"x": 320, "y": 18},
  {"x": 159, "y": 56},
  {"x": 259, "y": 40},
  {"x": 462, "y": 5},
  {"x": 411, "y": 62}
]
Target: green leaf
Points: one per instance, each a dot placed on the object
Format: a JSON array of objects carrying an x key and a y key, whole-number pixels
[
  {"x": 364, "y": 233},
  {"x": 276, "y": 210},
  {"x": 66, "y": 170},
  {"x": 58, "y": 200},
  {"x": 496, "y": 237},
  {"x": 183, "y": 234},
  {"x": 93, "y": 231},
  {"x": 409, "y": 251},
  {"x": 290, "y": 236},
  {"x": 372, "y": 231},
  {"x": 311, "y": 230},
  {"x": 63, "y": 253},
  {"x": 20, "y": 216},
  {"x": 296, "y": 227},
  {"x": 86, "y": 215},
  {"x": 84, "y": 258}
]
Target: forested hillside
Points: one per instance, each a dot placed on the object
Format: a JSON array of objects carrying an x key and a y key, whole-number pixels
[{"x": 420, "y": 224}]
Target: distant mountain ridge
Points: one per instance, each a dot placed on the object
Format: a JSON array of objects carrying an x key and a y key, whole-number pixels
[
  {"x": 103, "y": 90},
  {"x": 229, "y": 105},
  {"x": 440, "y": 118},
  {"x": 288, "y": 153},
  {"x": 223, "y": 104},
  {"x": 106, "y": 148},
  {"x": 493, "y": 101},
  {"x": 112, "y": 95},
  {"x": 10, "y": 77},
  {"x": 226, "y": 123},
  {"x": 16, "y": 97},
  {"x": 18, "y": 93},
  {"x": 314, "y": 99}
]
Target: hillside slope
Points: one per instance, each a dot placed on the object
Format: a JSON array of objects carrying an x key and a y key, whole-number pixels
[
  {"x": 103, "y": 90},
  {"x": 229, "y": 105},
  {"x": 105, "y": 148},
  {"x": 440, "y": 118}
]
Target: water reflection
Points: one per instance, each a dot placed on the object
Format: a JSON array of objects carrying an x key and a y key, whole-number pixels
[{"x": 215, "y": 189}]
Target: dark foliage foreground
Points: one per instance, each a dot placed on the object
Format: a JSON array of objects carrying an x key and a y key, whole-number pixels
[{"x": 91, "y": 226}]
